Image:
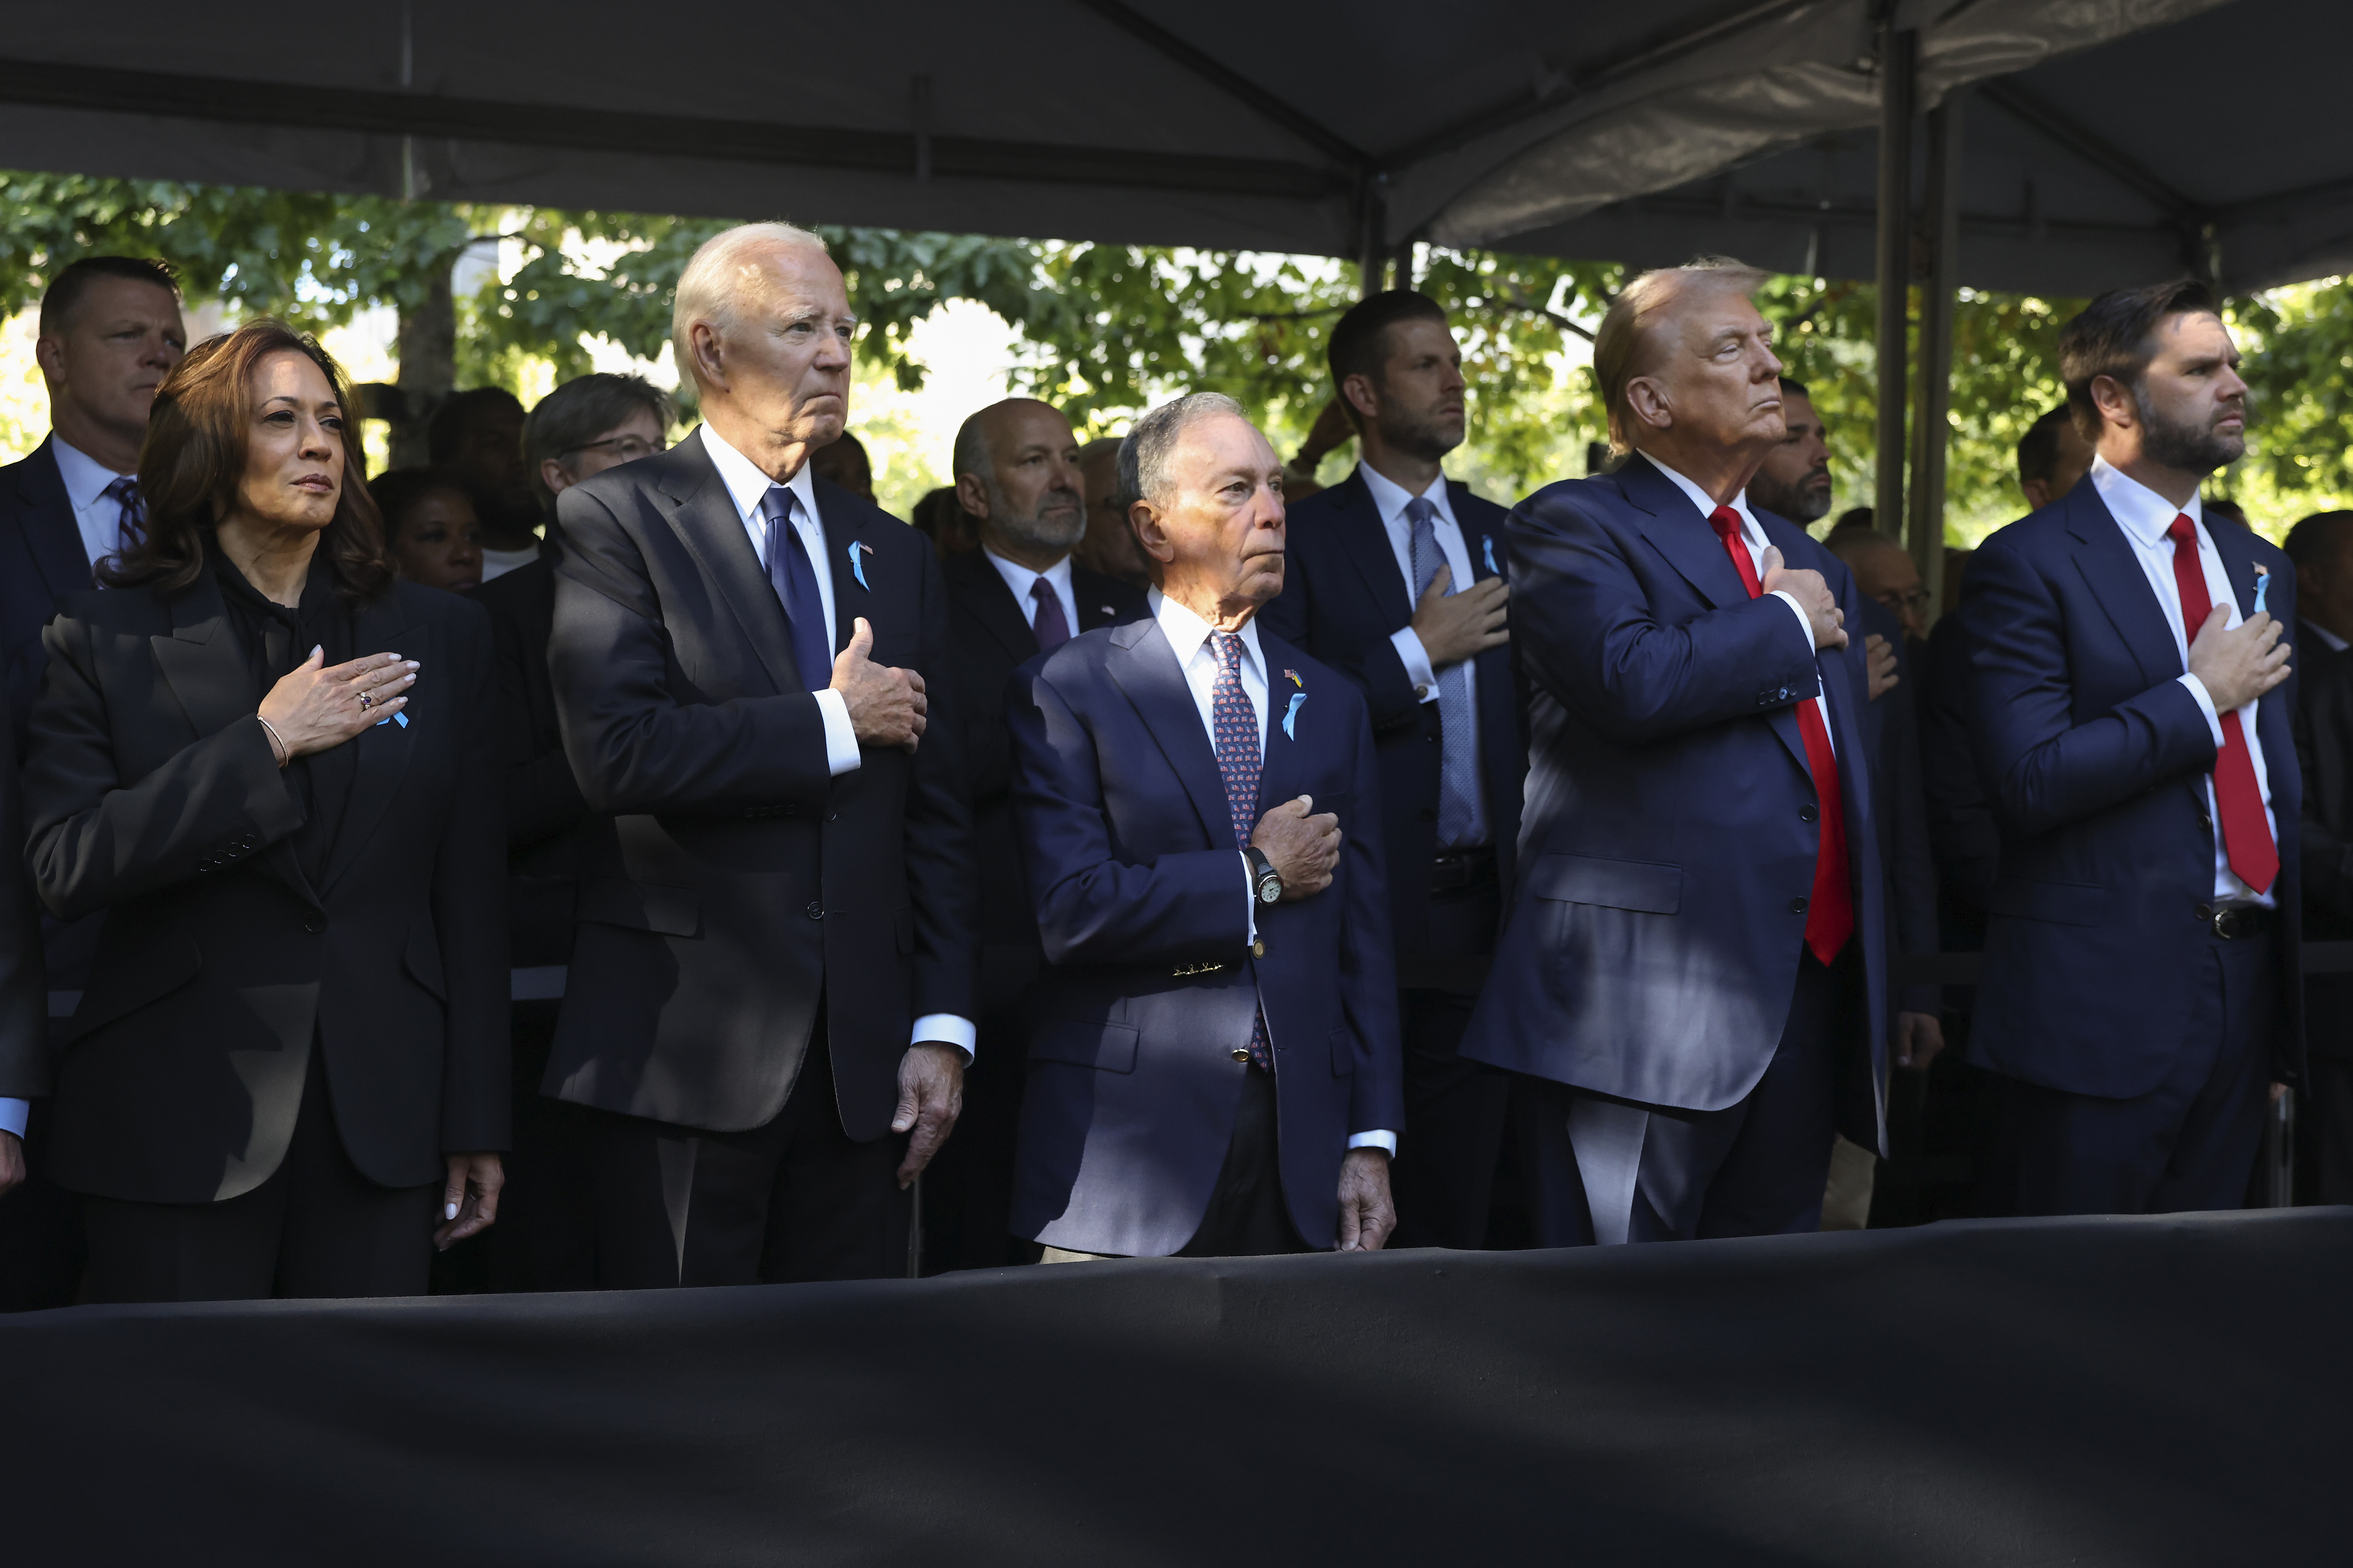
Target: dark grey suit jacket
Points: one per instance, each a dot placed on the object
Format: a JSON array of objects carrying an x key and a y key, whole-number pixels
[{"x": 741, "y": 884}]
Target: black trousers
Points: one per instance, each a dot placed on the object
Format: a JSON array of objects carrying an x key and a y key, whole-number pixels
[
  {"x": 1604, "y": 1168},
  {"x": 789, "y": 1201},
  {"x": 1247, "y": 1216},
  {"x": 1444, "y": 1173},
  {"x": 2189, "y": 1143},
  {"x": 2325, "y": 1131},
  {"x": 968, "y": 1192},
  {"x": 317, "y": 1227}
]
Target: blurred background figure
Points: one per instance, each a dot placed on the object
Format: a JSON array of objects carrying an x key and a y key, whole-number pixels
[
  {"x": 544, "y": 1239},
  {"x": 940, "y": 517},
  {"x": 1794, "y": 481},
  {"x": 845, "y": 463},
  {"x": 430, "y": 527},
  {"x": 1021, "y": 594},
  {"x": 2321, "y": 546},
  {"x": 1109, "y": 548},
  {"x": 2052, "y": 457},
  {"x": 478, "y": 433}
]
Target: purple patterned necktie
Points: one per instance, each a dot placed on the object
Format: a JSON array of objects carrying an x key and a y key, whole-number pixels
[
  {"x": 1053, "y": 628},
  {"x": 131, "y": 526},
  {"x": 1235, "y": 724}
]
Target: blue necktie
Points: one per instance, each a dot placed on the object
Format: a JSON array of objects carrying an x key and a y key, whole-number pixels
[
  {"x": 130, "y": 513},
  {"x": 1460, "y": 822},
  {"x": 1235, "y": 724},
  {"x": 1051, "y": 627},
  {"x": 793, "y": 576}
]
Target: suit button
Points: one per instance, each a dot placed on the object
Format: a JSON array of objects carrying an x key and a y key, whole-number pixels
[
  {"x": 314, "y": 922},
  {"x": 815, "y": 910},
  {"x": 2205, "y": 912},
  {"x": 788, "y": 809},
  {"x": 1240, "y": 1053},
  {"x": 1807, "y": 813},
  {"x": 1796, "y": 906},
  {"x": 833, "y": 816}
]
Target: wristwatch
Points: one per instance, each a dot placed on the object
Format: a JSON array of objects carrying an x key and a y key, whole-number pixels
[{"x": 1265, "y": 879}]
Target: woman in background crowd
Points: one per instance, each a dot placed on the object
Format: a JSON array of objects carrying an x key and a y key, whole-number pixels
[
  {"x": 430, "y": 527},
  {"x": 274, "y": 767}
]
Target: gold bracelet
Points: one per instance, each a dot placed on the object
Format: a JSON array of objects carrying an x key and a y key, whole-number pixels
[{"x": 276, "y": 742}]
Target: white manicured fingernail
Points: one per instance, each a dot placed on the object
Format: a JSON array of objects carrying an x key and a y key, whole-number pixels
[{"x": 448, "y": 1211}]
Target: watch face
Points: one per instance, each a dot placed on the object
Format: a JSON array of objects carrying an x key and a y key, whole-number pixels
[{"x": 1269, "y": 889}]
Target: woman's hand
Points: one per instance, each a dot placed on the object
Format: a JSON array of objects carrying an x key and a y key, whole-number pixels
[
  {"x": 470, "y": 1200},
  {"x": 313, "y": 708}
]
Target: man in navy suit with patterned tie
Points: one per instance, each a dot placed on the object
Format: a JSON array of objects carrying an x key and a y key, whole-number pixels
[
  {"x": 2132, "y": 712},
  {"x": 1393, "y": 578},
  {"x": 1694, "y": 971},
  {"x": 1213, "y": 1070}
]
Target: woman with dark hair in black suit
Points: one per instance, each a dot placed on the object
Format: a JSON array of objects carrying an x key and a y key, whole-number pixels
[{"x": 273, "y": 767}]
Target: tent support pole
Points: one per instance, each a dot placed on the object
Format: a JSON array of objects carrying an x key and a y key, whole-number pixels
[
  {"x": 1898, "y": 58},
  {"x": 1933, "y": 402}
]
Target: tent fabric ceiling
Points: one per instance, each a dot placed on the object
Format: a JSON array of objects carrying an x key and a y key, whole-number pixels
[{"x": 1272, "y": 126}]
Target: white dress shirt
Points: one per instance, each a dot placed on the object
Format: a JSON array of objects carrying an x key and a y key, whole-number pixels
[
  {"x": 498, "y": 562},
  {"x": 2144, "y": 516},
  {"x": 748, "y": 487},
  {"x": 1390, "y": 499},
  {"x": 99, "y": 519},
  {"x": 1752, "y": 534},
  {"x": 1019, "y": 578},
  {"x": 1188, "y": 634}
]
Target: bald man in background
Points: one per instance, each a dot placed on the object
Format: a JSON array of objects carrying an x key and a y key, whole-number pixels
[{"x": 1021, "y": 594}]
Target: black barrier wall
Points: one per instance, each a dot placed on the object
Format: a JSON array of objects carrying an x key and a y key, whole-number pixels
[{"x": 2167, "y": 1390}]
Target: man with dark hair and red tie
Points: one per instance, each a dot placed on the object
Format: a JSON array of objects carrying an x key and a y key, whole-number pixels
[
  {"x": 2132, "y": 714},
  {"x": 1021, "y": 594},
  {"x": 1693, "y": 977}
]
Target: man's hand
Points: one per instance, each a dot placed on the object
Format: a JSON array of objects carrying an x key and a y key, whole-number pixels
[
  {"x": 2237, "y": 666},
  {"x": 930, "y": 1097},
  {"x": 469, "y": 1198},
  {"x": 1452, "y": 629},
  {"x": 1366, "y": 1215},
  {"x": 1304, "y": 849},
  {"x": 1881, "y": 656},
  {"x": 1813, "y": 596},
  {"x": 1918, "y": 1038},
  {"x": 887, "y": 706},
  {"x": 12, "y": 1162}
]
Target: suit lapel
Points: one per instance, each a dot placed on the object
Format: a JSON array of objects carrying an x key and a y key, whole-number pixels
[
  {"x": 2106, "y": 559},
  {"x": 1143, "y": 664},
  {"x": 705, "y": 519},
  {"x": 984, "y": 595},
  {"x": 1677, "y": 531},
  {"x": 2274, "y": 723},
  {"x": 1098, "y": 598},
  {"x": 46, "y": 519},
  {"x": 1366, "y": 542},
  {"x": 850, "y": 558},
  {"x": 385, "y": 748},
  {"x": 1478, "y": 541},
  {"x": 1280, "y": 765}
]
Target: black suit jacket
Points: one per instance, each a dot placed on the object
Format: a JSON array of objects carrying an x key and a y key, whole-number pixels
[
  {"x": 993, "y": 639},
  {"x": 41, "y": 561},
  {"x": 546, "y": 814},
  {"x": 2323, "y": 746},
  {"x": 153, "y": 796},
  {"x": 743, "y": 883},
  {"x": 1341, "y": 599},
  {"x": 1961, "y": 831},
  {"x": 24, "y": 1025},
  {"x": 1891, "y": 727}
]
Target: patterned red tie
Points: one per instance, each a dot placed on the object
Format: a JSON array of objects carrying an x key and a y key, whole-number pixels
[
  {"x": 1830, "y": 914},
  {"x": 2238, "y": 802}
]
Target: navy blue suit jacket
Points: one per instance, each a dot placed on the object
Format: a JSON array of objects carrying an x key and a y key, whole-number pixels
[
  {"x": 1669, "y": 845},
  {"x": 1342, "y": 597},
  {"x": 1151, "y": 986},
  {"x": 2095, "y": 755},
  {"x": 41, "y": 561}
]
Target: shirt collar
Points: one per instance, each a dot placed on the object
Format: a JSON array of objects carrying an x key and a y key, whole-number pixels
[
  {"x": 1389, "y": 497},
  {"x": 86, "y": 478},
  {"x": 1187, "y": 632},
  {"x": 2140, "y": 510},
  {"x": 747, "y": 486},
  {"x": 1018, "y": 577},
  {"x": 1704, "y": 501}
]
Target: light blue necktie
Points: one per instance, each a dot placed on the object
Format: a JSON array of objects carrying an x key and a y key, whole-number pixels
[{"x": 1460, "y": 820}]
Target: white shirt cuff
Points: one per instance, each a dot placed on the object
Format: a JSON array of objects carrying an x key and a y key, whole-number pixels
[
  {"x": 1249, "y": 892},
  {"x": 13, "y": 1114},
  {"x": 945, "y": 1030},
  {"x": 840, "y": 737},
  {"x": 1805, "y": 624},
  {"x": 1416, "y": 657},
  {"x": 2205, "y": 702},
  {"x": 1385, "y": 1142}
]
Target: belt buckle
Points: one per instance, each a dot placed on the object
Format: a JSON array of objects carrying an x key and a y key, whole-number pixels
[{"x": 2231, "y": 921}]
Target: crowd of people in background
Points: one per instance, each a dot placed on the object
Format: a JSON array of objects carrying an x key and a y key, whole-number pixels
[{"x": 590, "y": 860}]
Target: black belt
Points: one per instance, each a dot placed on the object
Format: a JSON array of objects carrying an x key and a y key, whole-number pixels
[
  {"x": 1453, "y": 869},
  {"x": 2236, "y": 922}
]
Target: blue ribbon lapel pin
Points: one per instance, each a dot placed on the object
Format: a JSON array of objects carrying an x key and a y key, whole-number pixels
[
  {"x": 1490, "y": 542},
  {"x": 859, "y": 550},
  {"x": 2262, "y": 586},
  {"x": 399, "y": 718},
  {"x": 1298, "y": 701}
]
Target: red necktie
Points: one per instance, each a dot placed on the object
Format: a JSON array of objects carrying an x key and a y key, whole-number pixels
[
  {"x": 2238, "y": 802},
  {"x": 1829, "y": 914}
]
